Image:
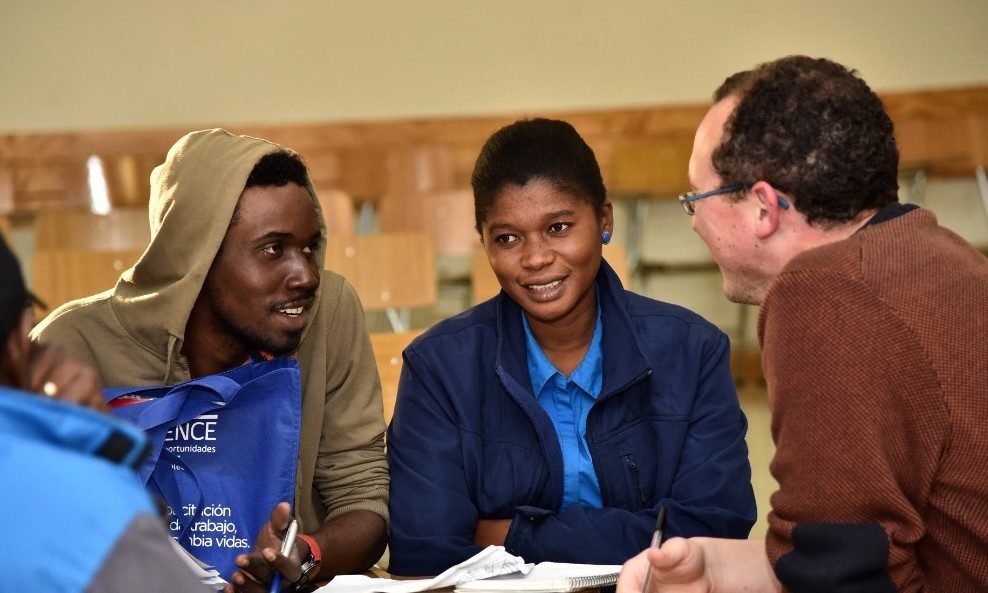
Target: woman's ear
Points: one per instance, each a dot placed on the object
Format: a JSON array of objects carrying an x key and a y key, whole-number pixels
[{"x": 607, "y": 217}]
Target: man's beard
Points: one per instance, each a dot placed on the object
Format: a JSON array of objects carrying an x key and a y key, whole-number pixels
[{"x": 254, "y": 337}]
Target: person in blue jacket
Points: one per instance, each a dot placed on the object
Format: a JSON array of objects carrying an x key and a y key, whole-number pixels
[
  {"x": 557, "y": 418},
  {"x": 79, "y": 518}
]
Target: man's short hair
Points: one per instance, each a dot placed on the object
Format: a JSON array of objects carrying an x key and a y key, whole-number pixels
[
  {"x": 813, "y": 129},
  {"x": 278, "y": 169},
  {"x": 275, "y": 170},
  {"x": 537, "y": 148}
]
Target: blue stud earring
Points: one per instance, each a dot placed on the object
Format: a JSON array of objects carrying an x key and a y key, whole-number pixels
[{"x": 605, "y": 238}]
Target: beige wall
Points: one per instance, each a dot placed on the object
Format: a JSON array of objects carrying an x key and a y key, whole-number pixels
[
  {"x": 95, "y": 64},
  {"x": 123, "y": 64}
]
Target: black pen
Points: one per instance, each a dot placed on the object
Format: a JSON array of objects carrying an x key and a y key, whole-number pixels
[{"x": 660, "y": 527}]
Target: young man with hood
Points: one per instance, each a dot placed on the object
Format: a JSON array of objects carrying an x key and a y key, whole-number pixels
[
  {"x": 234, "y": 270},
  {"x": 97, "y": 527}
]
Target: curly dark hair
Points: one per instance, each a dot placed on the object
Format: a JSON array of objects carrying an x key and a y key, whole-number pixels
[
  {"x": 813, "y": 129},
  {"x": 536, "y": 148}
]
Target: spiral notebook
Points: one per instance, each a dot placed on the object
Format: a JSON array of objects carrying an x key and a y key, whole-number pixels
[{"x": 548, "y": 576}]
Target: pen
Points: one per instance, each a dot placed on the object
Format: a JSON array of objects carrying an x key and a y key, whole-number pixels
[
  {"x": 286, "y": 549},
  {"x": 660, "y": 527}
]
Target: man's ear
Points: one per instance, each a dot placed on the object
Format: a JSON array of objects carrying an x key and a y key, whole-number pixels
[
  {"x": 14, "y": 363},
  {"x": 767, "y": 200}
]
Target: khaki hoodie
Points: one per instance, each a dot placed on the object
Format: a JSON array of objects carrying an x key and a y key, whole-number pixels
[{"x": 133, "y": 333}]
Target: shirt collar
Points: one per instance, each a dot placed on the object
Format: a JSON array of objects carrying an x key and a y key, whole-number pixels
[
  {"x": 588, "y": 376},
  {"x": 890, "y": 211}
]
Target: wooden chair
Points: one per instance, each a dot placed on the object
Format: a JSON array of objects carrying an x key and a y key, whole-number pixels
[
  {"x": 420, "y": 167},
  {"x": 388, "y": 347},
  {"x": 484, "y": 283},
  {"x": 120, "y": 230},
  {"x": 78, "y": 253},
  {"x": 393, "y": 272},
  {"x": 339, "y": 210},
  {"x": 128, "y": 177},
  {"x": 446, "y": 216},
  {"x": 643, "y": 170},
  {"x": 62, "y": 275}
]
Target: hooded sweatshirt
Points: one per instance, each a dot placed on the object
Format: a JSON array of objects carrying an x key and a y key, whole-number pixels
[{"x": 134, "y": 333}]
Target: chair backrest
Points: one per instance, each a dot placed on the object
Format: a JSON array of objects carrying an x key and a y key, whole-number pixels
[
  {"x": 446, "y": 216},
  {"x": 128, "y": 177},
  {"x": 388, "y": 270},
  {"x": 340, "y": 211},
  {"x": 654, "y": 166},
  {"x": 61, "y": 275},
  {"x": 387, "y": 352},
  {"x": 121, "y": 229},
  {"x": 484, "y": 283}
]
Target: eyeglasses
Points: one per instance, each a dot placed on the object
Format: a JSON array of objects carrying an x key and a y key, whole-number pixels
[{"x": 689, "y": 197}]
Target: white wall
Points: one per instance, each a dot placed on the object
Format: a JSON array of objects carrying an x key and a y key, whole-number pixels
[{"x": 102, "y": 64}]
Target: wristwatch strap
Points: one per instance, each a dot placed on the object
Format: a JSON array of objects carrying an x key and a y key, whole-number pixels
[{"x": 313, "y": 547}]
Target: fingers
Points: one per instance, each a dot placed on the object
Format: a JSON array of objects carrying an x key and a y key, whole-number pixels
[
  {"x": 674, "y": 567},
  {"x": 54, "y": 373},
  {"x": 281, "y": 516},
  {"x": 290, "y": 569},
  {"x": 259, "y": 566},
  {"x": 633, "y": 574},
  {"x": 241, "y": 582},
  {"x": 673, "y": 553},
  {"x": 273, "y": 532}
]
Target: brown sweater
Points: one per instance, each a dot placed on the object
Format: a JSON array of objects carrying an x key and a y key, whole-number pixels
[{"x": 876, "y": 355}]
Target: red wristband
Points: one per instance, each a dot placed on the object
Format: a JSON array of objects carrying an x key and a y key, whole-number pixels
[{"x": 313, "y": 546}]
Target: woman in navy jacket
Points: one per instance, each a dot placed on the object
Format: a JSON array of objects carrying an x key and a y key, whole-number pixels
[{"x": 558, "y": 417}]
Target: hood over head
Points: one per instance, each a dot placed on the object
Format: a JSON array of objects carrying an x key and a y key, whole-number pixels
[{"x": 193, "y": 196}]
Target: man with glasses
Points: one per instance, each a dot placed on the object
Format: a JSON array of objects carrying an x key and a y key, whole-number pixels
[{"x": 873, "y": 326}]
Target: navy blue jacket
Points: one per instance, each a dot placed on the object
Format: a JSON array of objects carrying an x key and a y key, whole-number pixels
[{"x": 469, "y": 441}]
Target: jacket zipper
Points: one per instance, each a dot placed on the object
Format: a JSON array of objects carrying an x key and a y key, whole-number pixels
[{"x": 636, "y": 480}]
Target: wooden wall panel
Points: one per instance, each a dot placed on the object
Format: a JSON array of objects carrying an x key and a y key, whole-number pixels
[{"x": 943, "y": 131}]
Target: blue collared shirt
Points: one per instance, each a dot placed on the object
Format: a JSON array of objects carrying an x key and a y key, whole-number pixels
[{"x": 568, "y": 401}]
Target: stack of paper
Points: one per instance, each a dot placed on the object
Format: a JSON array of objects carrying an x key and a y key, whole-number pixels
[
  {"x": 549, "y": 576},
  {"x": 489, "y": 562},
  {"x": 207, "y": 574},
  {"x": 491, "y": 570}
]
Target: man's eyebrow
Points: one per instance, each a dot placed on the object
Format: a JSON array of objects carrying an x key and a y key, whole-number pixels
[
  {"x": 273, "y": 235},
  {"x": 284, "y": 236}
]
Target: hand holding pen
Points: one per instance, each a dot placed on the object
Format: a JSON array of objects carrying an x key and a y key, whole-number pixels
[
  {"x": 286, "y": 548},
  {"x": 660, "y": 527}
]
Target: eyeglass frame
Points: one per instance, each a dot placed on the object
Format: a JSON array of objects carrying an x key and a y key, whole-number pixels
[{"x": 687, "y": 198}]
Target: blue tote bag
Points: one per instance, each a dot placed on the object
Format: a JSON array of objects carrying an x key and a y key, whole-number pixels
[{"x": 223, "y": 452}]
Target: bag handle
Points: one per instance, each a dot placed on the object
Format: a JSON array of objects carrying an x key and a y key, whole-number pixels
[
  {"x": 172, "y": 489},
  {"x": 178, "y": 404}
]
